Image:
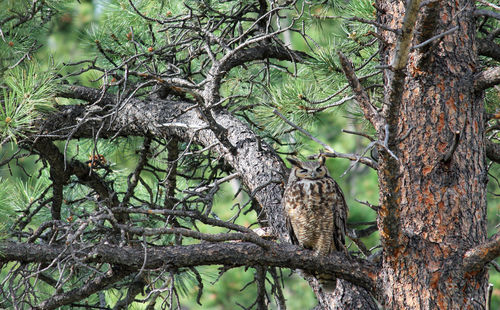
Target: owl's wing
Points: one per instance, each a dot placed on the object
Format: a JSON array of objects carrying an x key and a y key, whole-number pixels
[
  {"x": 340, "y": 211},
  {"x": 293, "y": 237},
  {"x": 289, "y": 227}
]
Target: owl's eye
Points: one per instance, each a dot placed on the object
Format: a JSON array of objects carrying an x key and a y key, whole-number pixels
[
  {"x": 319, "y": 169},
  {"x": 303, "y": 171}
]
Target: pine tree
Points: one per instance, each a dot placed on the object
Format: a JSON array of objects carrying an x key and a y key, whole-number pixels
[{"x": 155, "y": 148}]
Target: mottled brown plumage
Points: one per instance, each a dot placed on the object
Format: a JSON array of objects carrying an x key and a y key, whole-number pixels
[{"x": 316, "y": 211}]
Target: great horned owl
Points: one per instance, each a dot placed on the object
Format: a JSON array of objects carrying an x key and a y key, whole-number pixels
[{"x": 316, "y": 211}]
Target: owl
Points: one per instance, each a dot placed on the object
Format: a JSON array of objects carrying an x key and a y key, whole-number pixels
[{"x": 316, "y": 211}]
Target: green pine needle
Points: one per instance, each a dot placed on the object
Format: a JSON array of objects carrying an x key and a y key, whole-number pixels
[{"x": 28, "y": 96}]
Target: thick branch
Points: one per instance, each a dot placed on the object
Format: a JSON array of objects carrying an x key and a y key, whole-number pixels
[
  {"x": 358, "y": 271},
  {"x": 487, "y": 78},
  {"x": 401, "y": 55},
  {"x": 261, "y": 169},
  {"x": 403, "y": 45},
  {"x": 493, "y": 151},
  {"x": 58, "y": 174},
  {"x": 487, "y": 13},
  {"x": 488, "y": 48},
  {"x": 477, "y": 257}
]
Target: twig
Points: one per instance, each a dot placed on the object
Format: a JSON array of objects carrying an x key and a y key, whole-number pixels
[
  {"x": 331, "y": 105},
  {"x": 302, "y": 130},
  {"x": 488, "y": 298},
  {"x": 386, "y": 142},
  {"x": 366, "y": 203},
  {"x": 436, "y": 37},
  {"x": 361, "y": 20},
  {"x": 218, "y": 182},
  {"x": 362, "y": 97},
  {"x": 351, "y": 233},
  {"x": 327, "y": 98},
  {"x": 495, "y": 265},
  {"x": 358, "y": 134},
  {"x": 353, "y": 157}
]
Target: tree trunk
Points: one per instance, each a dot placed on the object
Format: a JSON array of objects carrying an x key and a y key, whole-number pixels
[{"x": 433, "y": 198}]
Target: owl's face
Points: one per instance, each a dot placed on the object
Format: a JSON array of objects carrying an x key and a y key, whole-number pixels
[{"x": 311, "y": 170}]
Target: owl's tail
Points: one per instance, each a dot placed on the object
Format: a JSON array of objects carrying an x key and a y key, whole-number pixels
[{"x": 328, "y": 282}]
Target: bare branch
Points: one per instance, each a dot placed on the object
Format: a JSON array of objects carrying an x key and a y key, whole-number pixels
[
  {"x": 488, "y": 48},
  {"x": 487, "y": 13},
  {"x": 434, "y": 38},
  {"x": 397, "y": 71},
  {"x": 487, "y": 78},
  {"x": 493, "y": 151},
  {"x": 182, "y": 120},
  {"x": 404, "y": 41},
  {"x": 359, "y": 271},
  {"x": 354, "y": 157},
  {"x": 302, "y": 130},
  {"x": 477, "y": 257},
  {"x": 362, "y": 97},
  {"x": 86, "y": 290}
]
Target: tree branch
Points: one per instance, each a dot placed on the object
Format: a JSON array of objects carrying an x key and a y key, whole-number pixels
[
  {"x": 487, "y": 13},
  {"x": 261, "y": 169},
  {"x": 477, "y": 257},
  {"x": 261, "y": 52},
  {"x": 493, "y": 151},
  {"x": 358, "y": 271},
  {"x": 362, "y": 97},
  {"x": 487, "y": 78},
  {"x": 488, "y": 48},
  {"x": 401, "y": 55},
  {"x": 91, "y": 287}
]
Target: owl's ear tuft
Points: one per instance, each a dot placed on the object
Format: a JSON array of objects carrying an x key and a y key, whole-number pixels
[
  {"x": 322, "y": 159},
  {"x": 294, "y": 161}
]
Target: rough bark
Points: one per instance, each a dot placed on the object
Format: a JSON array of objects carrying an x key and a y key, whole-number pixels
[
  {"x": 260, "y": 168},
  {"x": 230, "y": 254},
  {"x": 437, "y": 189}
]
